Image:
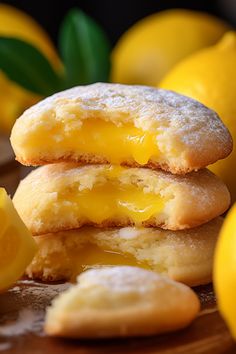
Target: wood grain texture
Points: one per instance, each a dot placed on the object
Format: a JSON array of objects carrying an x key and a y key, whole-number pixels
[{"x": 22, "y": 315}]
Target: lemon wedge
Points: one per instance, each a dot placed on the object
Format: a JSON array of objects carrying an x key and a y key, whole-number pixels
[{"x": 17, "y": 247}]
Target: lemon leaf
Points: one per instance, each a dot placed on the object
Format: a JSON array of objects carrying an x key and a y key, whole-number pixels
[
  {"x": 84, "y": 48},
  {"x": 25, "y": 65}
]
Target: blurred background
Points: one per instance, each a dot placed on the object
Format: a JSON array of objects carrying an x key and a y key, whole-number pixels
[{"x": 117, "y": 16}]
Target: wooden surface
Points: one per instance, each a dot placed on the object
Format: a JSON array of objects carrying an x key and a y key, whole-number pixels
[{"x": 21, "y": 328}]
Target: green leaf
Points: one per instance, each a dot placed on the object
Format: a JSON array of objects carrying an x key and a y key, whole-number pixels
[
  {"x": 84, "y": 48},
  {"x": 25, "y": 65}
]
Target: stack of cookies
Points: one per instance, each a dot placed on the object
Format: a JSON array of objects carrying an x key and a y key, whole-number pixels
[{"x": 123, "y": 181}]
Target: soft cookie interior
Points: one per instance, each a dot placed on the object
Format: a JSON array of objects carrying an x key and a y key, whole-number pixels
[
  {"x": 185, "y": 256},
  {"x": 66, "y": 196},
  {"x": 121, "y": 302},
  {"x": 95, "y": 137},
  {"x": 129, "y": 125}
]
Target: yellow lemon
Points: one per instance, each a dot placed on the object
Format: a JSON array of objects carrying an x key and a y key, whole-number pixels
[
  {"x": 17, "y": 246},
  {"x": 224, "y": 274},
  {"x": 210, "y": 77},
  {"x": 14, "y": 99},
  {"x": 150, "y": 48}
]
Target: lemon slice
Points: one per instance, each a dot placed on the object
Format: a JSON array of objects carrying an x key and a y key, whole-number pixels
[{"x": 17, "y": 247}]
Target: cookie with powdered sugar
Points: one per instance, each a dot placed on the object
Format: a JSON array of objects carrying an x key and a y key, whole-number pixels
[
  {"x": 121, "y": 124},
  {"x": 121, "y": 302},
  {"x": 185, "y": 256},
  {"x": 66, "y": 196}
]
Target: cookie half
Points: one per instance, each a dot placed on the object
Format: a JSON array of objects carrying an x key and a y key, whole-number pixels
[
  {"x": 67, "y": 196},
  {"x": 121, "y": 302},
  {"x": 185, "y": 256},
  {"x": 121, "y": 124}
]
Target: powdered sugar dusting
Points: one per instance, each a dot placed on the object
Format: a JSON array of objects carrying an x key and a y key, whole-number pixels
[
  {"x": 128, "y": 233},
  {"x": 5, "y": 346},
  {"x": 189, "y": 135},
  {"x": 144, "y": 105},
  {"x": 26, "y": 303},
  {"x": 123, "y": 279},
  {"x": 28, "y": 321}
]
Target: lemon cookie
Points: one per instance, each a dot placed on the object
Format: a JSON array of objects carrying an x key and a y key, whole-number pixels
[
  {"x": 121, "y": 302},
  {"x": 185, "y": 256},
  {"x": 121, "y": 124},
  {"x": 67, "y": 196}
]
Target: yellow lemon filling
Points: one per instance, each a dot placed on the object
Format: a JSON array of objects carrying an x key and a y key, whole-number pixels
[
  {"x": 111, "y": 199},
  {"x": 108, "y": 202},
  {"x": 92, "y": 256},
  {"x": 97, "y": 137}
]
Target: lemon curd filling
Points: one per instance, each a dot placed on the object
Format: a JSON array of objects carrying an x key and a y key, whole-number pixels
[
  {"x": 98, "y": 137},
  {"x": 92, "y": 256},
  {"x": 108, "y": 202},
  {"x": 111, "y": 200}
]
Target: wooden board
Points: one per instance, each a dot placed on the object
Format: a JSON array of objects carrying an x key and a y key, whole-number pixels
[{"x": 22, "y": 311}]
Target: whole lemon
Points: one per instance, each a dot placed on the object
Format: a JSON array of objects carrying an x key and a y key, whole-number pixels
[
  {"x": 150, "y": 48},
  {"x": 224, "y": 274},
  {"x": 210, "y": 77},
  {"x": 13, "y": 98}
]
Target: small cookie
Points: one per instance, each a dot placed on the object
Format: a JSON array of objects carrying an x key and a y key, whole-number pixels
[
  {"x": 121, "y": 302},
  {"x": 67, "y": 196},
  {"x": 185, "y": 256},
  {"x": 121, "y": 124}
]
